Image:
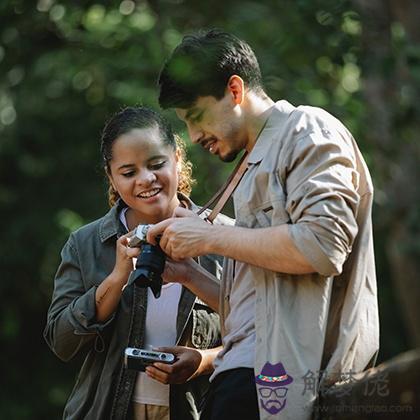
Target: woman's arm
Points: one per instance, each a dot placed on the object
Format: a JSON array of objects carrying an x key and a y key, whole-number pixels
[
  {"x": 71, "y": 314},
  {"x": 108, "y": 293},
  {"x": 77, "y": 316}
]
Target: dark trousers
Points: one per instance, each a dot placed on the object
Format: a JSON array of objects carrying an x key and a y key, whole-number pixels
[{"x": 232, "y": 396}]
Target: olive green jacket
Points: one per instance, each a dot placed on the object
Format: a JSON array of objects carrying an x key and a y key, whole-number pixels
[{"x": 104, "y": 387}]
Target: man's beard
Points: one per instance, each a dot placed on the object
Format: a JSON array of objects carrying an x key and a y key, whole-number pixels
[
  {"x": 229, "y": 157},
  {"x": 232, "y": 132}
]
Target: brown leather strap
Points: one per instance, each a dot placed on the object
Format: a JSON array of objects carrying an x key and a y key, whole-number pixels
[{"x": 223, "y": 194}]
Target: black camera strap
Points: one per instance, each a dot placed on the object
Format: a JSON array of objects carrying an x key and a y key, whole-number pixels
[{"x": 226, "y": 190}]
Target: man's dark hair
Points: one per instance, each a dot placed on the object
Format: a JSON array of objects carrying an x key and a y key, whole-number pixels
[{"x": 202, "y": 64}]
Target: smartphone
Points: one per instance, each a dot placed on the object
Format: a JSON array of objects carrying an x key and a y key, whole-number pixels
[{"x": 139, "y": 359}]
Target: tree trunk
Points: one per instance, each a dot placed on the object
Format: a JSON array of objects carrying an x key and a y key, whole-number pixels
[
  {"x": 390, "y": 38},
  {"x": 391, "y": 390}
]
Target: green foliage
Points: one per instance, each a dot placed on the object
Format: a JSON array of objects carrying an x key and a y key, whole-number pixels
[{"x": 66, "y": 67}]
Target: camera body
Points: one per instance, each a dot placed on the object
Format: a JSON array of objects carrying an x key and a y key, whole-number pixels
[
  {"x": 150, "y": 263},
  {"x": 139, "y": 235},
  {"x": 139, "y": 359}
]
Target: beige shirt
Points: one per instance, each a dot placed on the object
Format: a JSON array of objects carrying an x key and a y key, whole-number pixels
[
  {"x": 239, "y": 324},
  {"x": 307, "y": 171}
]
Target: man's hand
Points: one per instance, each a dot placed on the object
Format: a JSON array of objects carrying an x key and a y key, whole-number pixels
[
  {"x": 182, "y": 236},
  {"x": 186, "y": 366}
]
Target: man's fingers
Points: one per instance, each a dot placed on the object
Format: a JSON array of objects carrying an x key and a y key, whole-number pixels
[
  {"x": 156, "y": 230},
  {"x": 163, "y": 242},
  {"x": 181, "y": 212}
]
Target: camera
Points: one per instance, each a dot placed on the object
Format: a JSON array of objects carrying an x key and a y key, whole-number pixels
[
  {"x": 139, "y": 359},
  {"x": 150, "y": 263}
]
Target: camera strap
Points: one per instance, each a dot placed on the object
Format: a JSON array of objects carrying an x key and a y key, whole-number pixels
[{"x": 226, "y": 190}]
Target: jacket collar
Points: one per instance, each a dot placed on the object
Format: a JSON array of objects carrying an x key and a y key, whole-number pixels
[
  {"x": 278, "y": 116},
  {"x": 111, "y": 226}
]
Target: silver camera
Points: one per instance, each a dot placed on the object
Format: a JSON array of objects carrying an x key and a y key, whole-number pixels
[
  {"x": 139, "y": 359},
  {"x": 139, "y": 236}
]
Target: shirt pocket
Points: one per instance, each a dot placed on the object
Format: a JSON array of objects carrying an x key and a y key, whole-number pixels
[
  {"x": 264, "y": 205},
  {"x": 267, "y": 214}
]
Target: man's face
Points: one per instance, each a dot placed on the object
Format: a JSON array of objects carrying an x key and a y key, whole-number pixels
[{"x": 217, "y": 125}]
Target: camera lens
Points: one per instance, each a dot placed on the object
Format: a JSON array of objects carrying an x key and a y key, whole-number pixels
[
  {"x": 136, "y": 352},
  {"x": 163, "y": 356},
  {"x": 149, "y": 268}
]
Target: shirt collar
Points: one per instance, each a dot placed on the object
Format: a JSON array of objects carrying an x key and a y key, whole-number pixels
[{"x": 277, "y": 118}]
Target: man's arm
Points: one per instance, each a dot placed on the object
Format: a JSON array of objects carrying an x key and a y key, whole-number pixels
[
  {"x": 322, "y": 201},
  {"x": 195, "y": 278},
  {"x": 269, "y": 248}
]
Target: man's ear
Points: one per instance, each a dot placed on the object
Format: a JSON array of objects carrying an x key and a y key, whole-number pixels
[{"x": 236, "y": 88}]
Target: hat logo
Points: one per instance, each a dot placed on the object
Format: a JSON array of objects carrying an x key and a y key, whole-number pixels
[{"x": 271, "y": 384}]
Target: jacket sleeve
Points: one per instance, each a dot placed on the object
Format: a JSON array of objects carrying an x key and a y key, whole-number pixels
[
  {"x": 71, "y": 318},
  {"x": 322, "y": 199}
]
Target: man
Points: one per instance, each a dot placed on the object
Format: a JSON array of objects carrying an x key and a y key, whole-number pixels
[{"x": 298, "y": 295}]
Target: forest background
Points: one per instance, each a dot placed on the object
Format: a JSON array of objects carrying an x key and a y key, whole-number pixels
[{"x": 66, "y": 67}]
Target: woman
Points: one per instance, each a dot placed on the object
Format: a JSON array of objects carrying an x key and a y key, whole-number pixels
[{"x": 95, "y": 313}]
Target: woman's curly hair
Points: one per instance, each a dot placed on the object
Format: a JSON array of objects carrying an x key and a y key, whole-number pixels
[{"x": 186, "y": 181}]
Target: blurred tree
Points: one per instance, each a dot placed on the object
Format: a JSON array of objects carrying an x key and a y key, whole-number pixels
[
  {"x": 67, "y": 66},
  {"x": 391, "y": 76}
]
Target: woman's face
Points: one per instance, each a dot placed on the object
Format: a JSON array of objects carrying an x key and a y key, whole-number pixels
[{"x": 143, "y": 170}]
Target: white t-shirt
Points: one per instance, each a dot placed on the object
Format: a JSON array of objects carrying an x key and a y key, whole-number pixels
[
  {"x": 160, "y": 330},
  {"x": 161, "y": 317}
]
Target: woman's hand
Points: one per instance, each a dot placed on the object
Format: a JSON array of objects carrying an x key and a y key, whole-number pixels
[
  {"x": 124, "y": 258},
  {"x": 190, "y": 363},
  {"x": 109, "y": 292},
  {"x": 185, "y": 367}
]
